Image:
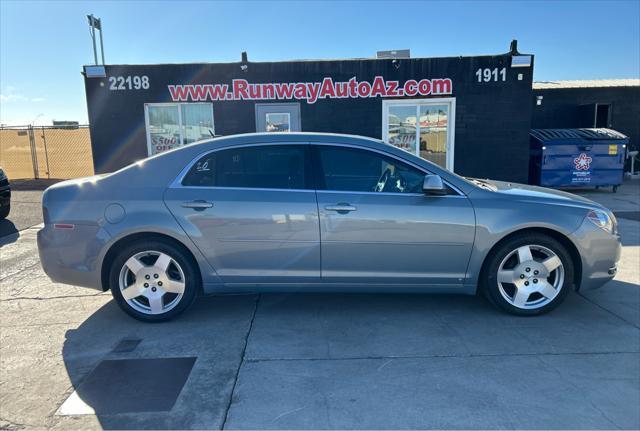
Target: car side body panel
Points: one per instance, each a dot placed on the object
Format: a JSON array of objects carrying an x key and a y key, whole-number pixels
[
  {"x": 253, "y": 235},
  {"x": 396, "y": 238}
]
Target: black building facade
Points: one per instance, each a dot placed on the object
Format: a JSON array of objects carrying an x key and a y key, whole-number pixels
[
  {"x": 613, "y": 104},
  {"x": 469, "y": 114}
]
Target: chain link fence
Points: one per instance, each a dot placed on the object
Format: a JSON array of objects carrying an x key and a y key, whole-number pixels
[{"x": 46, "y": 152}]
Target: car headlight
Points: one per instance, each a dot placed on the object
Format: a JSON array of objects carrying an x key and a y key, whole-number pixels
[{"x": 604, "y": 220}]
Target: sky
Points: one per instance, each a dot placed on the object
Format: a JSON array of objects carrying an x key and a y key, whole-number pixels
[{"x": 43, "y": 45}]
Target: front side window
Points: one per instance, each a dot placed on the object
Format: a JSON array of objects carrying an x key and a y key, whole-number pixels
[
  {"x": 355, "y": 170},
  {"x": 269, "y": 166}
]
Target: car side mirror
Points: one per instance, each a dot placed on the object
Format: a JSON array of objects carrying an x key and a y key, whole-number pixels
[{"x": 433, "y": 185}]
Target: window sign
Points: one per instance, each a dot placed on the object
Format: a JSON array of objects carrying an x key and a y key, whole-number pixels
[
  {"x": 171, "y": 125},
  {"x": 402, "y": 127},
  {"x": 163, "y": 128},
  {"x": 278, "y": 122}
]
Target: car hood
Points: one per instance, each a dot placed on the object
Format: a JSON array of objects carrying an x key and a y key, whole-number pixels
[{"x": 528, "y": 192}]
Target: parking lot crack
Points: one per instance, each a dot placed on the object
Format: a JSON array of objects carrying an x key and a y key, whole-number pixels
[
  {"x": 45, "y": 298},
  {"x": 242, "y": 360},
  {"x": 26, "y": 268},
  {"x": 281, "y": 415},
  {"x": 6, "y": 424},
  {"x": 577, "y": 388},
  {"x": 608, "y": 311}
]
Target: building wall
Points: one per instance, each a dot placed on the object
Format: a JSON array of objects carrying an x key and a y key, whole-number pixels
[
  {"x": 491, "y": 125},
  {"x": 561, "y": 108}
]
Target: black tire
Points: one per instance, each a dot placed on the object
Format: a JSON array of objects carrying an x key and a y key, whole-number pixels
[
  {"x": 4, "y": 212},
  {"x": 489, "y": 280},
  {"x": 192, "y": 278}
]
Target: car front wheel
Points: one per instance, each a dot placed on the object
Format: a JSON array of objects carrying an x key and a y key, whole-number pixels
[
  {"x": 153, "y": 281},
  {"x": 528, "y": 274}
]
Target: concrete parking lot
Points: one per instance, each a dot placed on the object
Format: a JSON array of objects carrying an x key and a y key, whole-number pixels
[{"x": 314, "y": 361}]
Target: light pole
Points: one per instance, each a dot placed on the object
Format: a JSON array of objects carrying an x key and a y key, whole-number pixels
[
  {"x": 96, "y": 24},
  {"x": 35, "y": 118}
]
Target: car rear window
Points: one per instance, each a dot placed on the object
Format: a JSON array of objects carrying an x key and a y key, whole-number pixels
[{"x": 268, "y": 166}]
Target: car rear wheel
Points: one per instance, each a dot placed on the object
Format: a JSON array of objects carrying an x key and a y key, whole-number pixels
[
  {"x": 528, "y": 274},
  {"x": 153, "y": 281}
]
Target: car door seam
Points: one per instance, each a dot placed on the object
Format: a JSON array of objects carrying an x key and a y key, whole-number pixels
[{"x": 164, "y": 202}]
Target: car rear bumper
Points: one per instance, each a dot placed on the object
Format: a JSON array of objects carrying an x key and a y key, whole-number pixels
[
  {"x": 600, "y": 253},
  {"x": 72, "y": 255}
]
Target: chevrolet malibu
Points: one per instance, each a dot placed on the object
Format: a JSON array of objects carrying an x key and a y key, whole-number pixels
[{"x": 318, "y": 212}]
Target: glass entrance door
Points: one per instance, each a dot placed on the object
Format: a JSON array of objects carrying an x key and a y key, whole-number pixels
[{"x": 422, "y": 127}]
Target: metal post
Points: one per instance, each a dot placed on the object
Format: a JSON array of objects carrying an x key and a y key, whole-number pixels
[
  {"x": 46, "y": 153},
  {"x": 93, "y": 38},
  {"x": 34, "y": 156},
  {"x": 101, "y": 44}
]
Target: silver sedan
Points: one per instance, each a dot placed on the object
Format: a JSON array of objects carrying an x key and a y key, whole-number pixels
[{"x": 318, "y": 212}]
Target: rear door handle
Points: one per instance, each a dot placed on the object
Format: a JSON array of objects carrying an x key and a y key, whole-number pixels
[
  {"x": 197, "y": 205},
  {"x": 341, "y": 208}
]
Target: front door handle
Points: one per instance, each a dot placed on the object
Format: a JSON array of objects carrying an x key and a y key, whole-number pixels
[
  {"x": 197, "y": 205},
  {"x": 341, "y": 208}
]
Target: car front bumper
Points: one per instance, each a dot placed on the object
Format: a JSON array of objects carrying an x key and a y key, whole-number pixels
[{"x": 600, "y": 252}]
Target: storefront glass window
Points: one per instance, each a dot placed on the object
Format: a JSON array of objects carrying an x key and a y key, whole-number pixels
[
  {"x": 163, "y": 127},
  {"x": 433, "y": 133},
  {"x": 170, "y": 125},
  {"x": 278, "y": 122},
  {"x": 197, "y": 122},
  {"x": 402, "y": 127},
  {"x": 422, "y": 127}
]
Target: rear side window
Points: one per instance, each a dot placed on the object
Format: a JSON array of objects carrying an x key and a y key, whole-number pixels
[
  {"x": 269, "y": 166},
  {"x": 356, "y": 170}
]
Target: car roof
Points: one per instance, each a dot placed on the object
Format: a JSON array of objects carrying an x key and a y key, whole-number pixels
[{"x": 291, "y": 136}]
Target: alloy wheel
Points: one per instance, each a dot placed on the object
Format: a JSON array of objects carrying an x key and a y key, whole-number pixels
[
  {"x": 530, "y": 276},
  {"x": 152, "y": 282}
]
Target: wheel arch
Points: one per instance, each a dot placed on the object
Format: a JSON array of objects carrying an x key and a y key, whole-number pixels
[
  {"x": 140, "y": 236},
  {"x": 558, "y": 236}
]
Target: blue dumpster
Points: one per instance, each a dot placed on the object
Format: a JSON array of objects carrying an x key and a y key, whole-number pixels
[{"x": 576, "y": 157}]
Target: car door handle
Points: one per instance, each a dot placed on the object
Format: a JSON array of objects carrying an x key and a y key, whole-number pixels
[
  {"x": 341, "y": 208},
  {"x": 197, "y": 205}
]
